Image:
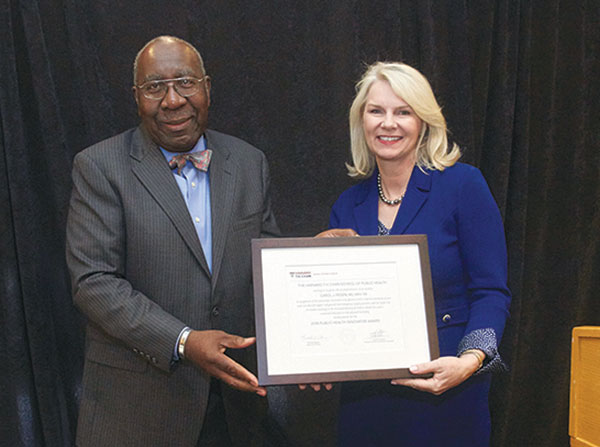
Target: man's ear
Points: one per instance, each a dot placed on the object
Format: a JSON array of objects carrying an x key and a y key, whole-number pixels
[
  {"x": 207, "y": 84},
  {"x": 135, "y": 96}
]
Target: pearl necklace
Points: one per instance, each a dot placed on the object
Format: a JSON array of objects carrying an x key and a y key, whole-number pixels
[{"x": 382, "y": 196}]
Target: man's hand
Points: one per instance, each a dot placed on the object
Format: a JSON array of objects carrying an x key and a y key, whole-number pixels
[
  {"x": 448, "y": 372},
  {"x": 206, "y": 349},
  {"x": 316, "y": 386},
  {"x": 338, "y": 232}
]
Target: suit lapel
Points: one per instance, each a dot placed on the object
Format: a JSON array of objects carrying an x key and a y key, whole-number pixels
[
  {"x": 365, "y": 209},
  {"x": 417, "y": 193},
  {"x": 150, "y": 168},
  {"x": 222, "y": 175}
]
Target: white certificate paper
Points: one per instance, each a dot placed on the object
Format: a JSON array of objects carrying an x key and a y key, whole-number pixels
[{"x": 333, "y": 309}]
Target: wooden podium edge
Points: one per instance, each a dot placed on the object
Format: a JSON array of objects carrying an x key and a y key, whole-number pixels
[{"x": 577, "y": 333}]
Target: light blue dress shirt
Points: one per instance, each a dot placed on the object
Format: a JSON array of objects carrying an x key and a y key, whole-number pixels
[{"x": 195, "y": 189}]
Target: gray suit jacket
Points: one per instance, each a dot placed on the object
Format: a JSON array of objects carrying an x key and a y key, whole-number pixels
[{"x": 139, "y": 275}]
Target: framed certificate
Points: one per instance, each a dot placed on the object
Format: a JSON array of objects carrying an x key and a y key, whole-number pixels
[{"x": 342, "y": 308}]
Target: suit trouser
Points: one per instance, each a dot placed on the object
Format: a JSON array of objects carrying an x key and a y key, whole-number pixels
[{"x": 214, "y": 430}]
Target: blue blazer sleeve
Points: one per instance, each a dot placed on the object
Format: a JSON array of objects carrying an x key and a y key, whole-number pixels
[{"x": 483, "y": 252}]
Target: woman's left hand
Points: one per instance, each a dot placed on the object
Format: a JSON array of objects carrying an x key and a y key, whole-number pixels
[{"x": 448, "y": 372}]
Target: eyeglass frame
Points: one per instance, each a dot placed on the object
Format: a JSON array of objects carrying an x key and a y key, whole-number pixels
[{"x": 172, "y": 80}]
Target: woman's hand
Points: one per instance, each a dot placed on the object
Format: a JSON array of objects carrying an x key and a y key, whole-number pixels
[{"x": 448, "y": 372}]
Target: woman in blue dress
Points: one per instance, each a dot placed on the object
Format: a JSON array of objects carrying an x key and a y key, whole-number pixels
[{"x": 413, "y": 184}]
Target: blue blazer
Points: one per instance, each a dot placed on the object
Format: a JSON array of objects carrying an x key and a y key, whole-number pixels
[
  {"x": 467, "y": 252},
  {"x": 467, "y": 248}
]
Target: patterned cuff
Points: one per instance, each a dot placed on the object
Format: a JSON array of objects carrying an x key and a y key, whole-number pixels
[{"x": 484, "y": 340}]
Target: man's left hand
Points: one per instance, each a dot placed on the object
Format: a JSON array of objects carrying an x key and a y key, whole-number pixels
[{"x": 207, "y": 350}]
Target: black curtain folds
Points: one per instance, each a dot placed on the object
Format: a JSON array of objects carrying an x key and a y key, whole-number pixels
[{"x": 519, "y": 83}]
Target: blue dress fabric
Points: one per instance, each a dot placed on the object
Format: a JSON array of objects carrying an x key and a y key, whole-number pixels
[{"x": 467, "y": 252}]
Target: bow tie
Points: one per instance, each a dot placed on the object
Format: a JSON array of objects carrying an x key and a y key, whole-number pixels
[{"x": 200, "y": 160}]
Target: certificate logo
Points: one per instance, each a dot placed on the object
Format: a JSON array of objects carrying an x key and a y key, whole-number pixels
[{"x": 301, "y": 275}]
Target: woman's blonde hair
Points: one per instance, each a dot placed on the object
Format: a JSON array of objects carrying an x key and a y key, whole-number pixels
[{"x": 410, "y": 85}]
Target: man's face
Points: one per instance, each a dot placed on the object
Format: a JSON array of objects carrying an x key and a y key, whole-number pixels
[{"x": 174, "y": 122}]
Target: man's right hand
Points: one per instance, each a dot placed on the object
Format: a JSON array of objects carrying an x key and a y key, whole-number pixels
[
  {"x": 338, "y": 232},
  {"x": 206, "y": 349}
]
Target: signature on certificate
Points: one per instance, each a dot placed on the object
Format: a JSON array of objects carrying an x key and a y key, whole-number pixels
[
  {"x": 313, "y": 340},
  {"x": 378, "y": 336}
]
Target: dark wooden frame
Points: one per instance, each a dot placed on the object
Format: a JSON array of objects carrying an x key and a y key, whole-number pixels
[{"x": 338, "y": 376}]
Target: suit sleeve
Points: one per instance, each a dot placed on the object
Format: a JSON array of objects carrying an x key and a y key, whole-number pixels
[
  {"x": 96, "y": 255},
  {"x": 269, "y": 226},
  {"x": 483, "y": 253}
]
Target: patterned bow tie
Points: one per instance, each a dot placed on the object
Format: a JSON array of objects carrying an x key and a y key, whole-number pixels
[{"x": 200, "y": 160}]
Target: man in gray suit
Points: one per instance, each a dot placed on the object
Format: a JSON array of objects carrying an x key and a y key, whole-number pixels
[{"x": 160, "y": 263}]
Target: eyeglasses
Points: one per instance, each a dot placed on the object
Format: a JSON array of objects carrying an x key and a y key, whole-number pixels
[{"x": 157, "y": 89}]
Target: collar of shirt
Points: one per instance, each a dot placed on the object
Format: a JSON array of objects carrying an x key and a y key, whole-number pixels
[{"x": 199, "y": 147}]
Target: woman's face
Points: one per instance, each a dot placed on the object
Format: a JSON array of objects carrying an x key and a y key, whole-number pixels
[{"x": 390, "y": 125}]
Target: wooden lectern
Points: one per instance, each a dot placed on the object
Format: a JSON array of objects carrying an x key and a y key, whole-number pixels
[{"x": 584, "y": 414}]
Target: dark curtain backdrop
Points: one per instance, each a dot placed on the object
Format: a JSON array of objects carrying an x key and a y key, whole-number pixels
[{"x": 519, "y": 82}]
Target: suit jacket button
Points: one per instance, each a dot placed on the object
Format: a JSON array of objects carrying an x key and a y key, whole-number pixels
[
  {"x": 446, "y": 318},
  {"x": 215, "y": 311}
]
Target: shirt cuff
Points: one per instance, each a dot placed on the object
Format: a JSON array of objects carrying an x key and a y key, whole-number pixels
[
  {"x": 176, "y": 350},
  {"x": 484, "y": 340}
]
